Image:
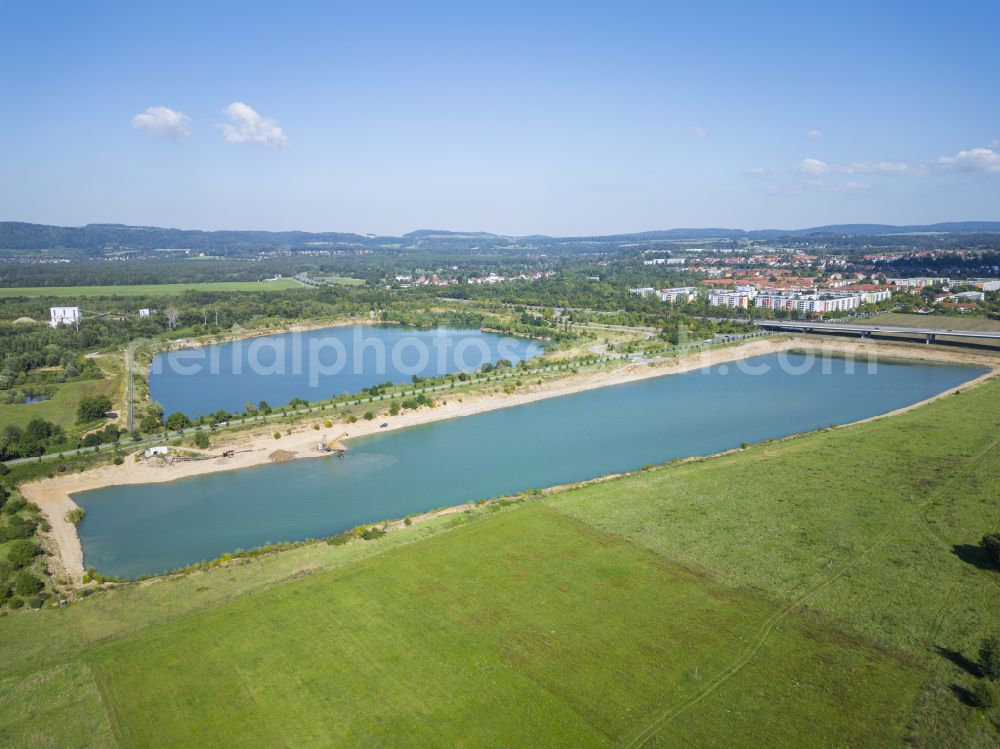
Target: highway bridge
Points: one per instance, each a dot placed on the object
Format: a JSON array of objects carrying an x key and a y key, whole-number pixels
[{"x": 929, "y": 334}]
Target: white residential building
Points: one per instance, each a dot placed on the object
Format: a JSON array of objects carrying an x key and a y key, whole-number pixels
[
  {"x": 818, "y": 303},
  {"x": 969, "y": 296},
  {"x": 678, "y": 294},
  {"x": 491, "y": 278},
  {"x": 644, "y": 291},
  {"x": 734, "y": 299},
  {"x": 145, "y": 312},
  {"x": 919, "y": 282},
  {"x": 664, "y": 261},
  {"x": 65, "y": 316}
]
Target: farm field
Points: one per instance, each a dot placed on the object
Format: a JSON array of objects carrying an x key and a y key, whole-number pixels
[
  {"x": 164, "y": 289},
  {"x": 822, "y": 590}
]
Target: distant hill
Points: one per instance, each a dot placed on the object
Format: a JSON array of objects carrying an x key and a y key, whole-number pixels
[
  {"x": 94, "y": 240},
  {"x": 954, "y": 227}
]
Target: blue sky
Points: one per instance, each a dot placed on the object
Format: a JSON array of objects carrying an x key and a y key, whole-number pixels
[{"x": 556, "y": 118}]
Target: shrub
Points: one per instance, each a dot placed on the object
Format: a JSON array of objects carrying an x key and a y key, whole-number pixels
[
  {"x": 118, "y": 460},
  {"x": 407, "y": 522},
  {"x": 370, "y": 534},
  {"x": 316, "y": 427},
  {"x": 16, "y": 603},
  {"x": 16, "y": 527},
  {"x": 26, "y": 584},
  {"x": 92, "y": 408},
  {"x": 13, "y": 506},
  {"x": 277, "y": 435},
  {"x": 982, "y": 695},
  {"x": 394, "y": 408},
  {"x": 327, "y": 423},
  {"x": 21, "y": 552},
  {"x": 351, "y": 419},
  {"x": 36, "y": 602},
  {"x": 75, "y": 515},
  {"x": 201, "y": 439},
  {"x": 989, "y": 658},
  {"x": 369, "y": 415}
]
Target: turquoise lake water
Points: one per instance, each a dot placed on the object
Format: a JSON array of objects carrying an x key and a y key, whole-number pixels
[
  {"x": 134, "y": 530},
  {"x": 320, "y": 364}
]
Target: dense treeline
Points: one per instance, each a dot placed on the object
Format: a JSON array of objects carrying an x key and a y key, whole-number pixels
[{"x": 108, "y": 273}]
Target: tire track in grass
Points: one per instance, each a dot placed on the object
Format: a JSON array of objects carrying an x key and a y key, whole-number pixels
[{"x": 647, "y": 733}]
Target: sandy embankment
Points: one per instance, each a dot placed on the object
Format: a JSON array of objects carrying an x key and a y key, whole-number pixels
[{"x": 53, "y": 495}]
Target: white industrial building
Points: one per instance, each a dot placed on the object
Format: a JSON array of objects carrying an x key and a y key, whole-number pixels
[{"x": 65, "y": 316}]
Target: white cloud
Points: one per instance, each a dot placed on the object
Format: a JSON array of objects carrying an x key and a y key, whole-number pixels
[
  {"x": 249, "y": 127},
  {"x": 164, "y": 122},
  {"x": 815, "y": 166},
  {"x": 812, "y": 166},
  {"x": 699, "y": 132},
  {"x": 973, "y": 160},
  {"x": 814, "y": 134}
]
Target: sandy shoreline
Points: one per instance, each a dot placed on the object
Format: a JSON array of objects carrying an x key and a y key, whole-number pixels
[{"x": 53, "y": 495}]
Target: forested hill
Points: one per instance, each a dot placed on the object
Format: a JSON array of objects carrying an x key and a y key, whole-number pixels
[
  {"x": 94, "y": 240},
  {"x": 101, "y": 238}
]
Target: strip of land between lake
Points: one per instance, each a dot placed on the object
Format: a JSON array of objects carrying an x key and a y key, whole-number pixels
[{"x": 255, "y": 446}]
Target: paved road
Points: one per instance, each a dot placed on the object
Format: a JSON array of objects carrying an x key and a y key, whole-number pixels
[{"x": 929, "y": 333}]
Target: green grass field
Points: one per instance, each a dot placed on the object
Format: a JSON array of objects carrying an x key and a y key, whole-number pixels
[
  {"x": 61, "y": 408},
  {"x": 818, "y": 591},
  {"x": 950, "y": 322},
  {"x": 164, "y": 289}
]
